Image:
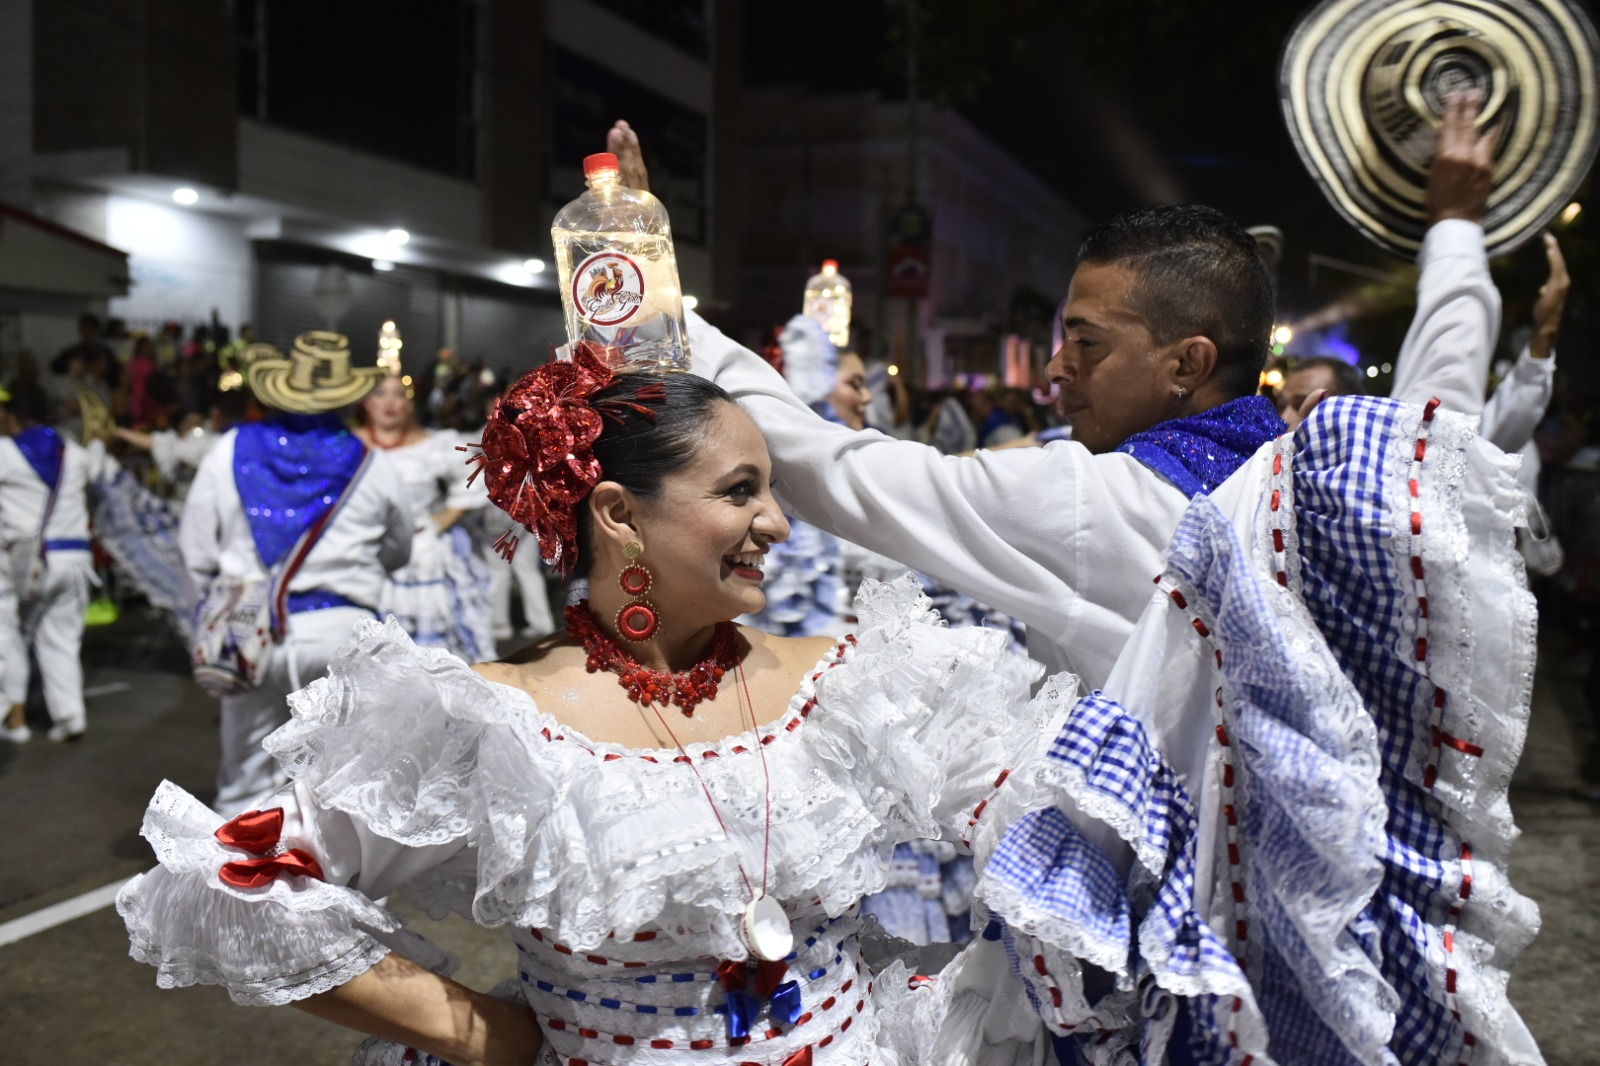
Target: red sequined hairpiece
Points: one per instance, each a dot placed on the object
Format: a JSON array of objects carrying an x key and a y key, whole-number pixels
[{"x": 537, "y": 453}]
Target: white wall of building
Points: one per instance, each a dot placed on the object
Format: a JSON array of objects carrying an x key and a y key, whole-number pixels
[{"x": 184, "y": 264}]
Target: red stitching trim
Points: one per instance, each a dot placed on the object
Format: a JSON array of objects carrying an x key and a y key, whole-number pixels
[
  {"x": 1439, "y": 738},
  {"x": 983, "y": 804},
  {"x": 1469, "y": 1042},
  {"x": 662, "y": 1044},
  {"x": 1241, "y": 927},
  {"x": 1280, "y": 553}
]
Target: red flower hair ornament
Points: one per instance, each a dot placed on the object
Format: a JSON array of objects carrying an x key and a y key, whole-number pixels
[{"x": 537, "y": 453}]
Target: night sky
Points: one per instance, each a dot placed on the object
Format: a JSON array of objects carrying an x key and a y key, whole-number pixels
[{"x": 1117, "y": 103}]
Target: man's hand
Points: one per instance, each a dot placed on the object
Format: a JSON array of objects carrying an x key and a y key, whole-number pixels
[
  {"x": 623, "y": 143},
  {"x": 1552, "y": 298},
  {"x": 1462, "y": 173}
]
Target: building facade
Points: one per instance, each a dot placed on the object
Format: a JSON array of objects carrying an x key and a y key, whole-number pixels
[
  {"x": 830, "y": 176},
  {"x": 240, "y": 151}
]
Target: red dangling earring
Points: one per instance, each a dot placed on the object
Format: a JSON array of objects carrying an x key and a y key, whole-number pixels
[{"x": 637, "y": 621}]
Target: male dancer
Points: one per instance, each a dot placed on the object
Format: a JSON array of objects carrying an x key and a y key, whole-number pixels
[
  {"x": 44, "y": 509},
  {"x": 1166, "y": 328},
  {"x": 256, "y": 492}
]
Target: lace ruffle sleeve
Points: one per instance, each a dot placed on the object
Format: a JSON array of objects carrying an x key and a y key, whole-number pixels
[
  {"x": 929, "y": 717},
  {"x": 276, "y": 905},
  {"x": 264, "y": 905}
]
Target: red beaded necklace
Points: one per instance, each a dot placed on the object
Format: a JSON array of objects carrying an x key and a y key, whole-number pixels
[{"x": 687, "y": 688}]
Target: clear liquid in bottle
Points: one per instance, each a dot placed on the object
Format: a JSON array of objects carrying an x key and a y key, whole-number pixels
[
  {"x": 827, "y": 300},
  {"x": 618, "y": 272}
]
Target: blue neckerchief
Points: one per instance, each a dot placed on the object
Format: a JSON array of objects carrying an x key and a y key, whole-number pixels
[
  {"x": 1201, "y": 451},
  {"x": 289, "y": 471},
  {"x": 42, "y": 447}
]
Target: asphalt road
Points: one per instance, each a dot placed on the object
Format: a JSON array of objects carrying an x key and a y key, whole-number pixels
[{"x": 69, "y": 994}]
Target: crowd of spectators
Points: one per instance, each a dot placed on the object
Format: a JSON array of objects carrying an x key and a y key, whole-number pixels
[{"x": 188, "y": 381}]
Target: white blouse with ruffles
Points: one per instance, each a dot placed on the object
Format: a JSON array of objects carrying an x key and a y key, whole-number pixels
[{"x": 622, "y": 891}]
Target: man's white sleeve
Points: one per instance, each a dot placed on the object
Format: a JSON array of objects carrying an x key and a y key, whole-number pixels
[
  {"x": 1065, "y": 541},
  {"x": 1514, "y": 411},
  {"x": 1447, "y": 349},
  {"x": 200, "y": 527}
]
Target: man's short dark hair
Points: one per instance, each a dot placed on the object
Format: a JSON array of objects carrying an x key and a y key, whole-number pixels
[
  {"x": 1347, "y": 379},
  {"x": 1198, "y": 274},
  {"x": 29, "y": 403}
]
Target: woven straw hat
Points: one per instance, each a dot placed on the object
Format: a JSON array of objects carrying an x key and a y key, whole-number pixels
[
  {"x": 1363, "y": 84},
  {"x": 315, "y": 377}
]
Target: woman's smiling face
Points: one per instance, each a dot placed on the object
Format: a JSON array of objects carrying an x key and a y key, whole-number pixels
[{"x": 706, "y": 533}]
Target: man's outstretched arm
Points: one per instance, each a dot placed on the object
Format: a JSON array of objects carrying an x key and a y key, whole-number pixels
[{"x": 1061, "y": 539}]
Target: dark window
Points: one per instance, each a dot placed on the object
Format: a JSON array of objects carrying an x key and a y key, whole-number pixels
[
  {"x": 393, "y": 79},
  {"x": 588, "y": 98},
  {"x": 681, "y": 23}
]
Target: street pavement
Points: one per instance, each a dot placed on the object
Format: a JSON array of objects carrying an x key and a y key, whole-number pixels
[{"x": 70, "y": 996}]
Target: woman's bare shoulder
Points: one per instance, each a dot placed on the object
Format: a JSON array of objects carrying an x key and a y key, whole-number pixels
[
  {"x": 792, "y": 655},
  {"x": 533, "y": 665}
]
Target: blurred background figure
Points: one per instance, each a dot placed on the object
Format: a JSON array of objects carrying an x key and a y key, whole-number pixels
[{"x": 442, "y": 596}]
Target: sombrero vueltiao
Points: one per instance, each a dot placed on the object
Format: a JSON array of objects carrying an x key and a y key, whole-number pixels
[
  {"x": 1363, "y": 84},
  {"x": 97, "y": 421},
  {"x": 315, "y": 377}
]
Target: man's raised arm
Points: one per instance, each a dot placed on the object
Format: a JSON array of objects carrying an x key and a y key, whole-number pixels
[{"x": 1451, "y": 340}]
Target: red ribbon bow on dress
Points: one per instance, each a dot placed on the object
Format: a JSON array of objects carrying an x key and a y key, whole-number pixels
[{"x": 259, "y": 833}]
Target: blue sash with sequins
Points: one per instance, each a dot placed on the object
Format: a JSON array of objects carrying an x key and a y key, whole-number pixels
[
  {"x": 43, "y": 448},
  {"x": 1201, "y": 451},
  {"x": 289, "y": 471}
]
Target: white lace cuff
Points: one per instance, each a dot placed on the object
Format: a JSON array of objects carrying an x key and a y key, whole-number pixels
[{"x": 288, "y": 939}]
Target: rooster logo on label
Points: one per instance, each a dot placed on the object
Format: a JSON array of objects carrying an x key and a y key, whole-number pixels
[{"x": 607, "y": 288}]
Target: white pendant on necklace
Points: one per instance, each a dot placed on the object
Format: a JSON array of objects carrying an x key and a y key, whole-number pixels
[{"x": 767, "y": 932}]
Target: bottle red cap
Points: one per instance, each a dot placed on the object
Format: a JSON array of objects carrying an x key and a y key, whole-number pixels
[
  {"x": 600, "y": 162},
  {"x": 834, "y": 263}
]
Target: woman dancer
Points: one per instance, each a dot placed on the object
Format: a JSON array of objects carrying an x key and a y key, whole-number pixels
[
  {"x": 806, "y": 590},
  {"x": 677, "y": 838},
  {"x": 441, "y": 598}
]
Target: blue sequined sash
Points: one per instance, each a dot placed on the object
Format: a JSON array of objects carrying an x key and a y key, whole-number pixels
[
  {"x": 44, "y": 450},
  {"x": 1201, "y": 451},
  {"x": 289, "y": 472}
]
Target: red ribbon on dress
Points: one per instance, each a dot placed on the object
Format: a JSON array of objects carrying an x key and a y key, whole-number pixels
[
  {"x": 259, "y": 833},
  {"x": 799, "y": 1058}
]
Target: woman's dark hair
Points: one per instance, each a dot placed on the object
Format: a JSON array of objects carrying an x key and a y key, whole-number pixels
[{"x": 638, "y": 452}]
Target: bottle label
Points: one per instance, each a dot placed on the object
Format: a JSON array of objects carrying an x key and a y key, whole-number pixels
[{"x": 607, "y": 288}]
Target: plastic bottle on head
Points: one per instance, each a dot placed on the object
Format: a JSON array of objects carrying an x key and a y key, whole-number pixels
[
  {"x": 828, "y": 301},
  {"x": 618, "y": 272}
]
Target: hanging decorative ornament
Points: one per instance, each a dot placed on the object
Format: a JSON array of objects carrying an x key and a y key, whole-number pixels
[
  {"x": 767, "y": 932},
  {"x": 1363, "y": 84}
]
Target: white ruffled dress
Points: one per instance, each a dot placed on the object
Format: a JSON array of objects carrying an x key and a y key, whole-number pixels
[
  {"x": 442, "y": 596},
  {"x": 621, "y": 891}
]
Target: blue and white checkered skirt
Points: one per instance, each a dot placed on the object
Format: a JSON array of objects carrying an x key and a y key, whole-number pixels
[{"x": 1287, "y": 809}]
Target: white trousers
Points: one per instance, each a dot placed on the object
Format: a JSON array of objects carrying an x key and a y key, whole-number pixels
[
  {"x": 526, "y": 570},
  {"x": 53, "y": 624},
  {"x": 247, "y": 773}
]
